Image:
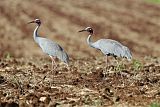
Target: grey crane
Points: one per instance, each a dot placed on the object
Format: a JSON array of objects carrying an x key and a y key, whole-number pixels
[
  {"x": 49, "y": 47},
  {"x": 108, "y": 47}
]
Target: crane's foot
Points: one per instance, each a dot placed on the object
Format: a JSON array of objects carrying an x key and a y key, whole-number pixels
[
  {"x": 48, "y": 73},
  {"x": 42, "y": 80},
  {"x": 68, "y": 67},
  {"x": 54, "y": 70}
]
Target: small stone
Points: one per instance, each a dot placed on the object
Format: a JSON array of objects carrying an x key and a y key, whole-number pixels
[
  {"x": 42, "y": 99},
  {"x": 31, "y": 91},
  {"x": 97, "y": 68}
]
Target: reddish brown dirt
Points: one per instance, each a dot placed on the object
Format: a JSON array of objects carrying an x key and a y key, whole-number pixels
[
  {"x": 134, "y": 23},
  {"x": 87, "y": 81},
  {"x": 81, "y": 84}
]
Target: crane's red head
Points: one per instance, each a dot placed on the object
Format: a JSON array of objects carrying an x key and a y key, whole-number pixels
[
  {"x": 88, "y": 29},
  {"x": 38, "y": 21}
]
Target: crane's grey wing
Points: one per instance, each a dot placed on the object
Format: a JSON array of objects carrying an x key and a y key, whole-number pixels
[
  {"x": 49, "y": 46},
  {"x": 52, "y": 48},
  {"x": 112, "y": 47}
]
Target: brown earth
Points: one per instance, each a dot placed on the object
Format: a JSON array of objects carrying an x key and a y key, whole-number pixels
[
  {"x": 87, "y": 81},
  {"x": 83, "y": 83}
]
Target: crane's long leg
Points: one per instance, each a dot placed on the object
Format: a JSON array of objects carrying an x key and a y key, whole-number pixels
[
  {"x": 54, "y": 65},
  {"x": 108, "y": 64},
  {"x": 105, "y": 70},
  {"x": 107, "y": 61}
]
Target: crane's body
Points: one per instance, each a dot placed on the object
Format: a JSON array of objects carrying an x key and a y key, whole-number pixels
[
  {"x": 49, "y": 47},
  {"x": 112, "y": 48},
  {"x": 58, "y": 50},
  {"x": 108, "y": 47}
]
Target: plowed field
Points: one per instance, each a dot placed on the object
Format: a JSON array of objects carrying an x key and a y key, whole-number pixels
[{"x": 87, "y": 81}]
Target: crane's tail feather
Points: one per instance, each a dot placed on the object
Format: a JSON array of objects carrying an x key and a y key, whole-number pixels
[
  {"x": 128, "y": 54},
  {"x": 63, "y": 56}
]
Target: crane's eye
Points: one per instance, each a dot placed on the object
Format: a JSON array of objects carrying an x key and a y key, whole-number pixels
[
  {"x": 38, "y": 21},
  {"x": 90, "y": 29}
]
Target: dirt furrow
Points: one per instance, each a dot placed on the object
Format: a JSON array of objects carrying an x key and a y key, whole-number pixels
[
  {"x": 132, "y": 25},
  {"x": 139, "y": 6},
  {"x": 61, "y": 12},
  {"x": 61, "y": 21},
  {"x": 147, "y": 24},
  {"x": 130, "y": 22}
]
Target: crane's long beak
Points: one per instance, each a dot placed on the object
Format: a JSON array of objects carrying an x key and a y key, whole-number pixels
[
  {"x": 82, "y": 30},
  {"x": 31, "y": 22}
]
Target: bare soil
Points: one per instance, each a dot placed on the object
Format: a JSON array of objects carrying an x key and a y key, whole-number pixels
[{"x": 88, "y": 81}]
